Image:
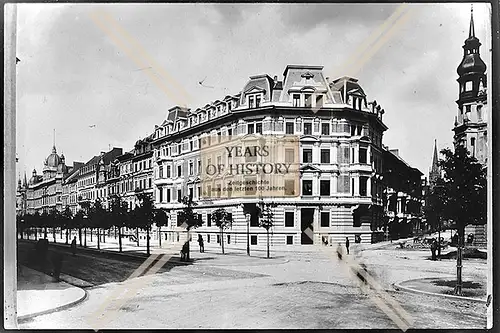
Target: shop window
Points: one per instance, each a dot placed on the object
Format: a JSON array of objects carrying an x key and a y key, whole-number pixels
[
  {"x": 325, "y": 219},
  {"x": 253, "y": 239},
  {"x": 289, "y": 219},
  {"x": 289, "y": 240}
]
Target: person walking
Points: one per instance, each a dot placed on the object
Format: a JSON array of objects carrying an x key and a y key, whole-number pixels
[
  {"x": 433, "y": 249},
  {"x": 347, "y": 244},
  {"x": 73, "y": 246},
  {"x": 200, "y": 241}
]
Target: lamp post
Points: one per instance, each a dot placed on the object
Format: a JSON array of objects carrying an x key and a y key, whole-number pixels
[
  {"x": 247, "y": 215},
  {"x": 85, "y": 234}
]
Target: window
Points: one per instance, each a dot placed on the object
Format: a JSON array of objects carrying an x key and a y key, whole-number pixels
[
  {"x": 199, "y": 166},
  {"x": 191, "y": 192},
  {"x": 296, "y": 100},
  {"x": 168, "y": 171},
  {"x": 250, "y": 102},
  {"x": 307, "y": 156},
  {"x": 257, "y": 101},
  {"x": 343, "y": 184},
  {"x": 191, "y": 145},
  {"x": 208, "y": 238},
  {"x": 308, "y": 100},
  {"x": 179, "y": 195},
  {"x": 230, "y": 132},
  {"x": 229, "y": 239},
  {"x": 307, "y": 128},
  {"x": 468, "y": 86},
  {"x": 363, "y": 152},
  {"x": 325, "y": 219},
  {"x": 319, "y": 101},
  {"x": 218, "y": 239},
  {"x": 191, "y": 168},
  {"x": 324, "y": 187},
  {"x": 160, "y": 190},
  {"x": 289, "y": 240},
  {"x": 325, "y": 129},
  {"x": 289, "y": 128},
  {"x": 250, "y": 128},
  {"x": 325, "y": 155},
  {"x": 307, "y": 187},
  {"x": 198, "y": 190},
  {"x": 209, "y": 220},
  {"x": 258, "y": 128},
  {"x": 179, "y": 171},
  {"x": 289, "y": 155},
  {"x": 253, "y": 239},
  {"x": 289, "y": 219}
]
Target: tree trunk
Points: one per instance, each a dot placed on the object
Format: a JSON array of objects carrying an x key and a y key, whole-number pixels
[
  {"x": 36, "y": 234},
  {"x": 147, "y": 240},
  {"x": 98, "y": 240},
  {"x": 91, "y": 229},
  {"x": 80, "y": 235},
  {"x": 115, "y": 231},
  {"x": 61, "y": 232},
  {"x": 268, "y": 243},
  {"x": 137, "y": 234},
  {"x": 104, "y": 236},
  {"x": 54, "y": 233},
  {"x": 85, "y": 235},
  {"x": 120, "y": 238},
  {"x": 45, "y": 232},
  {"x": 159, "y": 236},
  {"x": 67, "y": 236},
  {"x": 222, "y": 240}
]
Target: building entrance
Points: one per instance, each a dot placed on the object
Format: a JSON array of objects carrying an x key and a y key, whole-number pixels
[{"x": 306, "y": 224}]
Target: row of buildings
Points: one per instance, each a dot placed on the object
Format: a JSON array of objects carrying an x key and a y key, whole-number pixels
[{"x": 347, "y": 183}]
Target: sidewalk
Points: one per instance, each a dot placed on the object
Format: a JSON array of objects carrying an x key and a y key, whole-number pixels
[{"x": 38, "y": 294}]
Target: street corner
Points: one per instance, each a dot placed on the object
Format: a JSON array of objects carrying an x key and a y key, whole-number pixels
[
  {"x": 39, "y": 294},
  {"x": 473, "y": 289}
]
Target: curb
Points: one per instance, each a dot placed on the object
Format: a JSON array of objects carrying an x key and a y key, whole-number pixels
[
  {"x": 416, "y": 291},
  {"x": 59, "y": 308}
]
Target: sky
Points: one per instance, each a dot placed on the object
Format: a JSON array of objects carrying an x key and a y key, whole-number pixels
[{"x": 74, "y": 74}]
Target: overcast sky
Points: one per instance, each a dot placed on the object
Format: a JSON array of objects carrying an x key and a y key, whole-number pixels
[{"x": 72, "y": 75}]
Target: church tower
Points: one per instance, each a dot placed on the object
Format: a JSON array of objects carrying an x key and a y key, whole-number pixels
[
  {"x": 471, "y": 122},
  {"x": 435, "y": 172}
]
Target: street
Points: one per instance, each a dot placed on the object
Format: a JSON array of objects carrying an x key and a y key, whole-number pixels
[{"x": 302, "y": 289}]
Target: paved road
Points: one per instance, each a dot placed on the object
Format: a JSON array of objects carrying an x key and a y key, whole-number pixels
[{"x": 295, "y": 290}]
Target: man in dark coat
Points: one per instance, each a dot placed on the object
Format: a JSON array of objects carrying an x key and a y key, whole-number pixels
[
  {"x": 347, "y": 244},
  {"x": 434, "y": 246},
  {"x": 200, "y": 241}
]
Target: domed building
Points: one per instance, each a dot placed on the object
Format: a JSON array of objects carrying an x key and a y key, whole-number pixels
[{"x": 43, "y": 192}]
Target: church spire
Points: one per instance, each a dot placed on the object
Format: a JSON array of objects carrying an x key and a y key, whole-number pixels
[
  {"x": 434, "y": 174},
  {"x": 471, "y": 28}
]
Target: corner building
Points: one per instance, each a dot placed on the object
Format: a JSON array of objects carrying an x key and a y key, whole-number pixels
[{"x": 341, "y": 157}]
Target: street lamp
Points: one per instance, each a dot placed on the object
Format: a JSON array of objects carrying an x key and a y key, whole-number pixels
[
  {"x": 247, "y": 215},
  {"x": 85, "y": 236}
]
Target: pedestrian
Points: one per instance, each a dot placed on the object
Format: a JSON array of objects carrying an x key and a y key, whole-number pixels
[
  {"x": 347, "y": 244},
  {"x": 433, "y": 249},
  {"x": 73, "y": 246},
  {"x": 200, "y": 241},
  {"x": 339, "y": 251}
]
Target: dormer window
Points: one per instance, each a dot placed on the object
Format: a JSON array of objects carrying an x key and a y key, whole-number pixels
[
  {"x": 251, "y": 101},
  {"x": 308, "y": 100},
  {"x": 468, "y": 86},
  {"x": 229, "y": 106},
  {"x": 257, "y": 101},
  {"x": 296, "y": 100}
]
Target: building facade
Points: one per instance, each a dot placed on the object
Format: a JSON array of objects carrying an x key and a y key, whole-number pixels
[
  {"x": 403, "y": 188},
  {"x": 341, "y": 159}
]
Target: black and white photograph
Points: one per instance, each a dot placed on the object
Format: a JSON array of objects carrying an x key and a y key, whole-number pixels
[{"x": 248, "y": 166}]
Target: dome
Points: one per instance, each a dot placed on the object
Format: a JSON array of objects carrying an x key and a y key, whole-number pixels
[
  {"x": 53, "y": 160},
  {"x": 471, "y": 63}
]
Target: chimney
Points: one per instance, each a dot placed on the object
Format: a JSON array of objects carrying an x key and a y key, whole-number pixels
[{"x": 275, "y": 78}]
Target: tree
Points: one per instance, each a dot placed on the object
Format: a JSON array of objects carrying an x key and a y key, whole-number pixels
[
  {"x": 84, "y": 221},
  {"x": 97, "y": 216},
  {"x": 67, "y": 221},
  {"x": 464, "y": 186},
  {"x": 118, "y": 215},
  {"x": 266, "y": 219},
  {"x": 223, "y": 220},
  {"x": 144, "y": 213},
  {"x": 187, "y": 218},
  {"x": 434, "y": 208},
  {"x": 161, "y": 219}
]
